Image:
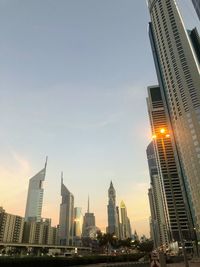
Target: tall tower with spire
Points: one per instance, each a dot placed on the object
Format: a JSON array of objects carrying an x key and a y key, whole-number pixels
[
  {"x": 113, "y": 227},
  {"x": 35, "y": 196},
  {"x": 66, "y": 221},
  {"x": 88, "y": 221}
]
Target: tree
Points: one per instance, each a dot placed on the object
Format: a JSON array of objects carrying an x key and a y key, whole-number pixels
[
  {"x": 106, "y": 240},
  {"x": 146, "y": 246}
]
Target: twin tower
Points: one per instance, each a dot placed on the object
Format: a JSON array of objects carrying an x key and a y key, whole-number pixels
[{"x": 35, "y": 201}]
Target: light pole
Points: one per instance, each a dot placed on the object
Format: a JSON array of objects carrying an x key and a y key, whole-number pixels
[
  {"x": 195, "y": 229},
  {"x": 163, "y": 135}
]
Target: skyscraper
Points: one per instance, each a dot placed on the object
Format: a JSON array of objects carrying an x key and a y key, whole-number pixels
[
  {"x": 78, "y": 224},
  {"x": 66, "y": 220},
  {"x": 153, "y": 225},
  {"x": 160, "y": 226},
  {"x": 118, "y": 223},
  {"x": 88, "y": 221},
  {"x": 176, "y": 211},
  {"x": 177, "y": 64},
  {"x": 196, "y": 4},
  {"x": 125, "y": 222},
  {"x": 113, "y": 227},
  {"x": 78, "y": 221},
  {"x": 35, "y": 196}
]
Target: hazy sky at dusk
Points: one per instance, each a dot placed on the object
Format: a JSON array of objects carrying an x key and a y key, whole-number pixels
[{"x": 73, "y": 78}]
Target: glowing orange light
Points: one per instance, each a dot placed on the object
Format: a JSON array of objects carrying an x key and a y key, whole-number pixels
[
  {"x": 167, "y": 135},
  {"x": 162, "y": 130},
  {"x": 154, "y": 136}
]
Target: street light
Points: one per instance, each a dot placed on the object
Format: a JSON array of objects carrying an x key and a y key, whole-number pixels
[
  {"x": 162, "y": 135},
  {"x": 162, "y": 130},
  {"x": 195, "y": 229}
]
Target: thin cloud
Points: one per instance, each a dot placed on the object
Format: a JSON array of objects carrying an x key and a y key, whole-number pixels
[{"x": 111, "y": 119}]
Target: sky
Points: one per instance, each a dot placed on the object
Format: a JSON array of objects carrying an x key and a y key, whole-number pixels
[{"x": 73, "y": 79}]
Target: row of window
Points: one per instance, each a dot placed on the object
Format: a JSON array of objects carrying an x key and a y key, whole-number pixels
[{"x": 158, "y": 16}]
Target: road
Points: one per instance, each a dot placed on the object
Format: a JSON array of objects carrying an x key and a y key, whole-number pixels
[
  {"x": 141, "y": 264},
  {"x": 191, "y": 264},
  {"x": 119, "y": 264}
]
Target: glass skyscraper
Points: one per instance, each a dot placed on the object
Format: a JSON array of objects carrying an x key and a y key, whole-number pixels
[
  {"x": 176, "y": 55},
  {"x": 176, "y": 216},
  {"x": 35, "y": 196},
  {"x": 196, "y": 4},
  {"x": 160, "y": 229},
  {"x": 66, "y": 221},
  {"x": 78, "y": 221}
]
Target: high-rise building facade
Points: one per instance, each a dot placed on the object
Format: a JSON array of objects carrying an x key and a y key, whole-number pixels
[
  {"x": 113, "y": 227},
  {"x": 176, "y": 211},
  {"x": 196, "y": 4},
  {"x": 35, "y": 196},
  {"x": 78, "y": 221},
  {"x": 52, "y": 236},
  {"x": 66, "y": 220},
  {"x": 118, "y": 223},
  {"x": 78, "y": 226},
  {"x": 125, "y": 222},
  {"x": 177, "y": 65},
  {"x": 154, "y": 235},
  {"x": 88, "y": 222},
  {"x": 11, "y": 227},
  {"x": 40, "y": 232},
  {"x": 14, "y": 229},
  {"x": 159, "y": 225}
]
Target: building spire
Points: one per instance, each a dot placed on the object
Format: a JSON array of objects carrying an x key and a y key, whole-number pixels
[
  {"x": 61, "y": 178},
  {"x": 88, "y": 209},
  {"x": 45, "y": 166}
]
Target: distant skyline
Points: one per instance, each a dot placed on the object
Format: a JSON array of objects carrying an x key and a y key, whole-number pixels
[{"x": 73, "y": 79}]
